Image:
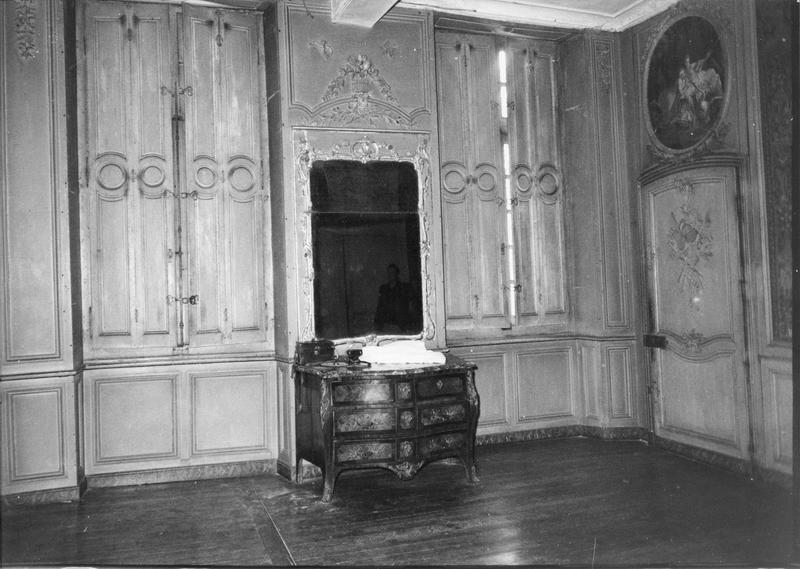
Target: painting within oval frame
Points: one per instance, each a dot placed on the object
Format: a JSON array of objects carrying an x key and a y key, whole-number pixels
[{"x": 686, "y": 84}]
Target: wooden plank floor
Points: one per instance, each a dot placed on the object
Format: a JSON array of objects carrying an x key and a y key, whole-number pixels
[{"x": 577, "y": 501}]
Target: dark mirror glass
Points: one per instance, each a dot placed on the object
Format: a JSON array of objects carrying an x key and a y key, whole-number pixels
[{"x": 366, "y": 247}]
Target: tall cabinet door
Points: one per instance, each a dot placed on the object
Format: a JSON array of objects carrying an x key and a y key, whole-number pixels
[
  {"x": 225, "y": 201},
  {"x": 473, "y": 205},
  {"x": 128, "y": 203}
]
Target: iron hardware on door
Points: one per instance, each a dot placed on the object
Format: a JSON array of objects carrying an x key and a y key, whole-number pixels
[
  {"x": 655, "y": 341},
  {"x": 194, "y": 299}
]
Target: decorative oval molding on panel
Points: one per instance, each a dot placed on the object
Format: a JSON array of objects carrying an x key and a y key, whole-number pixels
[{"x": 548, "y": 182}]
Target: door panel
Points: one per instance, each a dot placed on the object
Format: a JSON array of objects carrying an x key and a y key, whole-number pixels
[
  {"x": 226, "y": 219},
  {"x": 130, "y": 204},
  {"x": 695, "y": 302}
]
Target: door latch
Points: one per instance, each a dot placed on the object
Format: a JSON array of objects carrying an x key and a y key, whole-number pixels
[
  {"x": 194, "y": 299},
  {"x": 655, "y": 341}
]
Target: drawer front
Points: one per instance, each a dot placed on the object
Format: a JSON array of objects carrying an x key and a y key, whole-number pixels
[
  {"x": 363, "y": 392},
  {"x": 438, "y": 386},
  {"x": 433, "y": 415},
  {"x": 438, "y": 444},
  {"x": 365, "y": 452},
  {"x": 364, "y": 420}
]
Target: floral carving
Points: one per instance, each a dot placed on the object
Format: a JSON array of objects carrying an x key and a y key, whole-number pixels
[
  {"x": 25, "y": 27},
  {"x": 362, "y": 77},
  {"x": 690, "y": 242},
  {"x": 361, "y": 110},
  {"x": 692, "y": 339},
  {"x": 602, "y": 51}
]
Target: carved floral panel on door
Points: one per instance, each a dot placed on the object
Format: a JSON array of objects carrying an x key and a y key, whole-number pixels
[
  {"x": 343, "y": 76},
  {"x": 693, "y": 270}
]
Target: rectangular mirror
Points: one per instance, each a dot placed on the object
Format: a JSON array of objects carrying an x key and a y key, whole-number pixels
[{"x": 365, "y": 232}]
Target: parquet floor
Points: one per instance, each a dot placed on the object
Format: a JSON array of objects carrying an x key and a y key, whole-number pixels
[{"x": 573, "y": 502}]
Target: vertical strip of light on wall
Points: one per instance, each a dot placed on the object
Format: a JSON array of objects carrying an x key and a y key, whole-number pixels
[{"x": 511, "y": 268}]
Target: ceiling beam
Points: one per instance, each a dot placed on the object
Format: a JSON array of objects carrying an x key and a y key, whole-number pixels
[{"x": 363, "y": 13}]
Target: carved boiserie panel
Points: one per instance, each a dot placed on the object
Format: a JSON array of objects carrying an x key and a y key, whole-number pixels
[{"x": 342, "y": 76}]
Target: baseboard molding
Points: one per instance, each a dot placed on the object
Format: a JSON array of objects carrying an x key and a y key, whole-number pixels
[
  {"x": 54, "y": 495},
  {"x": 605, "y": 433},
  {"x": 184, "y": 473},
  {"x": 710, "y": 457}
]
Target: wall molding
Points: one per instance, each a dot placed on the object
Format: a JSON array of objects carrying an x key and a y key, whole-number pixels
[{"x": 184, "y": 473}]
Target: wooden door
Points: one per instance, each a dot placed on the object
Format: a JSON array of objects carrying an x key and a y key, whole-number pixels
[
  {"x": 225, "y": 201},
  {"x": 535, "y": 178},
  {"x": 698, "y": 373},
  {"x": 129, "y": 207},
  {"x": 473, "y": 205}
]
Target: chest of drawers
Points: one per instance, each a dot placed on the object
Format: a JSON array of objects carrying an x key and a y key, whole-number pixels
[{"x": 397, "y": 419}]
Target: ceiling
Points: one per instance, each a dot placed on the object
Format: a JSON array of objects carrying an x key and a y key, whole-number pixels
[{"x": 611, "y": 15}]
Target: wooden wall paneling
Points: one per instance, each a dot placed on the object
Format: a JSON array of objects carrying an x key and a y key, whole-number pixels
[
  {"x": 493, "y": 382},
  {"x": 455, "y": 179},
  {"x": 472, "y": 174},
  {"x": 38, "y": 435},
  {"x": 774, "y": 437},
  {"x": 619, "y": 366},
  {"x": 346, "y": 77},
  {"x": 285, "y": 420},
  {"x": 128, "y": 204},
  {"x": 226, "y": 182},
  {"x": 581, "y": 198},
  {"x": 35, "y": 272},
  {"x": 547, "y": 174},
  {"x": 134, "y": 419},
  {"x": 591, "y": 370},
  {"x": 611, "y": 185},
  {"x": 147, "y": 418},
  {"x": 230, "y": 413},
  {"x": 547, "y": 385},
  {"x": 696, "y": 304}
]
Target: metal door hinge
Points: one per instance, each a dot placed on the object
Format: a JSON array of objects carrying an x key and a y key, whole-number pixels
[{"x": 655, "y": 341}]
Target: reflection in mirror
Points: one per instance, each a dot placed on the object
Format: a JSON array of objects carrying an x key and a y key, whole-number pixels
[{"x": 366, "y": 244}]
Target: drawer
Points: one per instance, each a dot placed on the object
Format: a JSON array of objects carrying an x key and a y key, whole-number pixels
[
  {"x": 364, "y": 420},
  {"x": 441, "y": 444},
  {"x": 437, "y": 386},
  {"x": 442, "y": 414},
  {"x": 363, "y": 392},
  {"x": 378, "y": 451}
]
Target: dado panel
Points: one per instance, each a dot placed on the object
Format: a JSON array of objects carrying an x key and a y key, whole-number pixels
[
  {"x": 158, "y": 417},
  {"x": 135, "y": 418},
  {"x": 492, "y": 382},
  {"x": 37, "y": 418},
  {"x": 546, "y": 384},
  {"x": 229, "y": 413},
  {"x": 777, "y": 396}
]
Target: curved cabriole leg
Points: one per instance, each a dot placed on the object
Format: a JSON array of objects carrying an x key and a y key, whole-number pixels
[
  {"x": 329, "y": 477},
  {"x": 298, "y": 472}
]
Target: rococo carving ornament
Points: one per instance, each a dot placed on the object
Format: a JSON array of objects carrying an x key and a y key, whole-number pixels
[{"x": 25, "y": 27}]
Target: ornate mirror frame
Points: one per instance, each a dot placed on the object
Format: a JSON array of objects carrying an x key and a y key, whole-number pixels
[
  {"x": 714, "y": 137},
  {"x": 317, "y": 145}
]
